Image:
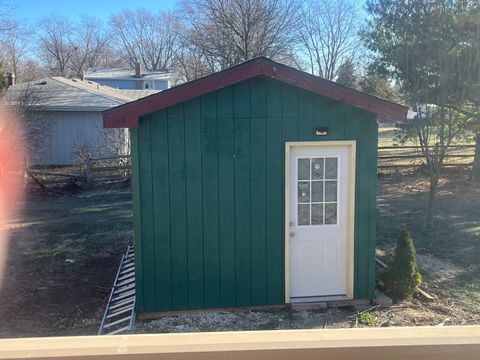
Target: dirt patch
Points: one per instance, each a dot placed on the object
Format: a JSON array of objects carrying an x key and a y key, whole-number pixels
[
  {"x": 448, "y": 255},
  {"x": 62, "y": 258},
  {"x": 438, "y": 270}
]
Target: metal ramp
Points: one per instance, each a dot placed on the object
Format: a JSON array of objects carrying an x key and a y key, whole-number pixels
[{"x": 120, "y": 312}]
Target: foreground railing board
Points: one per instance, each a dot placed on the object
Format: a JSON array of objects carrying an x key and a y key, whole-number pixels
[{"x": 435, "y": 343}]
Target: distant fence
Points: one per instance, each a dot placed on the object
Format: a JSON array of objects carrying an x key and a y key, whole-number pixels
[
  {"x": 108, "y": 170},
  {"x": 95, "y": 171},
  {"x": 395, "y": 158}
]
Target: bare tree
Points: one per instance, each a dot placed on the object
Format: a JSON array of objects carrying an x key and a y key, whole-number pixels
[
  {"x": 228, "y": 32},
  {"x": 89, "y": 41},
  {"x": 56, "y": 48},
  {"x": 15, "y": 42},
  {"x": 23, "y": 101},
  {"x": 112, "y": 56},
  {"x": 6, "y": 11},
  {"x": 30, "y": 70},
  {"x": 329, "y": 34},
  {"x": 189, "y": 64},
  {"x": 146, "y": 37},
  {"x": 115, "y": 142}
]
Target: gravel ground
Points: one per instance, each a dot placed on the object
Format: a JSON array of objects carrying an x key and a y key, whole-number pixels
[{"x": 250, "y": 320}]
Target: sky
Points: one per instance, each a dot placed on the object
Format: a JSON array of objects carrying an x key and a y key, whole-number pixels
[{"x": 32, "y": 10}]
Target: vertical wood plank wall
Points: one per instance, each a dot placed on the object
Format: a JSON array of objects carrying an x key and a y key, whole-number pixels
[{"x": 209, "y": 194}]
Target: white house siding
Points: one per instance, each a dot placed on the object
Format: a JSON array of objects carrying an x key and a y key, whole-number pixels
[
  {"x": 131, "y": 84},
  {"x": 117, "y": 83},
  {"x": 161, "y": 85},
  {"x": 67, "y": 130}
]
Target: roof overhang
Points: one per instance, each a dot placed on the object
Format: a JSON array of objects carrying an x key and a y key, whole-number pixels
[
  {"x": 45, "y": 108},
  {"x": 127, "y": 115},
  {"x": 71, "y": 108}
]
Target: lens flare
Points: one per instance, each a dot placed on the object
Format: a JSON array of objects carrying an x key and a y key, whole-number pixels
[{"x": 12, "y": 161}]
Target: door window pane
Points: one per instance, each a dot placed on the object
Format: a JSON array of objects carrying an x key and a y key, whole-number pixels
[
  {"x": 317, "y": 169},
  {"x": 330, "y": 168},
  {"x": 317, "y": 214},
  {"x": 303, "y": 191},
  {"x": 303, "y": 214},
  {"x": 303, "y": 169},
  {"x": 330, "y": 213},
  {"x": 330, "y": 191},
  {"x": 317, "y": 188},
  {"x": 317, "y": 191}
]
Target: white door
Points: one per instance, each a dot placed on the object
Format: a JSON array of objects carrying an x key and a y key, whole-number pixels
[{"x": 318, "y": 229}]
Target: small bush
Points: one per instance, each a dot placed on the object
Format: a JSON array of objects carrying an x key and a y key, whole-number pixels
[{"x": 401, "y": 279}]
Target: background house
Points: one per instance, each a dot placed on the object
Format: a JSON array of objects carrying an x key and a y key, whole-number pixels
[
  {"x": 130, "y": 78},
  {"x": 254, "y": 186},
  {"x": 69, "y": 113}
]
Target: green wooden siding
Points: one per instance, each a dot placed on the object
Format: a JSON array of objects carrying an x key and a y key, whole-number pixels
[{"x": 208, "y": 189}]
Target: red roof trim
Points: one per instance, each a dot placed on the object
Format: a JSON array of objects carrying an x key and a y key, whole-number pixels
[{"x": 127, "y": 115}]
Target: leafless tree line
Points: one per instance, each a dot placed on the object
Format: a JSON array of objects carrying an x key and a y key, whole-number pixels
[
  {"x": 329, "y": 35},
  {"x": 69, "y": 49},
  {"x": 35, "y": 128},
  {"x": 145, "y": 37},
  {"x": 196, "y": 38}
]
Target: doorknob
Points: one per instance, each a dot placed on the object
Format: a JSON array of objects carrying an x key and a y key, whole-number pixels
[
  {"x": 291, "y": 223},
  {"x": 291, "y": 234}
]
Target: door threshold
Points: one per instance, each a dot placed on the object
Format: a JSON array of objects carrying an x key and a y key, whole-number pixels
[{"x": 316, "y": 299}]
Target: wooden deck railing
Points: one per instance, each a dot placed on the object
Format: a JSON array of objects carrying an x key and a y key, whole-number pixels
[{"x": 425, "y": 343}]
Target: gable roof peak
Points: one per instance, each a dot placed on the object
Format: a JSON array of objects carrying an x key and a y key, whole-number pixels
[{"x": 127, "y": 115}]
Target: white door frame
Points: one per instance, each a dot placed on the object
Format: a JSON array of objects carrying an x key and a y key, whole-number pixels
[{"x": 351, "y": 145}]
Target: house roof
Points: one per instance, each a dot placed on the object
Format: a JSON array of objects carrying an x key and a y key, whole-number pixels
[
  {"x": 126, "y": 116},
  {"x": 61, "y": 94},
  {"x": 125, "y": 74}
]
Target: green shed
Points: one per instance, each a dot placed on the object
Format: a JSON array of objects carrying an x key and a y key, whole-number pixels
[{"x": 253, "y": 186}]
